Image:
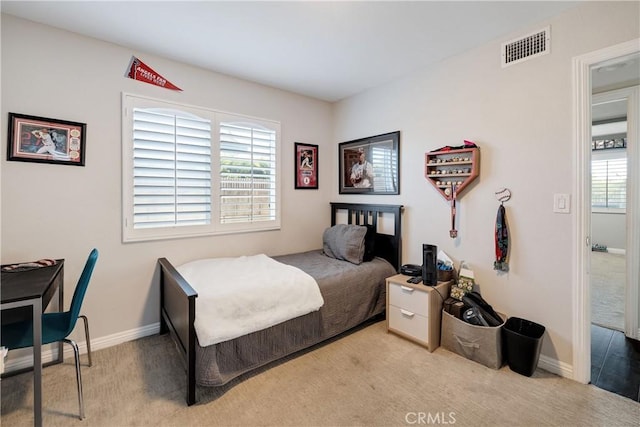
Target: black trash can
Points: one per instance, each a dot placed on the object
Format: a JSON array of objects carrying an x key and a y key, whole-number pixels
[{"x": 522, "y": 342}]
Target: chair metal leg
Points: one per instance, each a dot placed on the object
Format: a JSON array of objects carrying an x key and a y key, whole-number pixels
[
  {"x": 76, "y": 353},
  {"x": 86, "y": 334}
]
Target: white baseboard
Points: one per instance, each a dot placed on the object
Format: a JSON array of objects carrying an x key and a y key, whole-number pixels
[
  {"x": 555, "y": 367},
  {"x": 119, "y": 338},
  {"x": 51, "y": 354}
]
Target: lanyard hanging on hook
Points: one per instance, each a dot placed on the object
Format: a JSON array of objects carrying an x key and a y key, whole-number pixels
[{"x": 502, "y": 232}]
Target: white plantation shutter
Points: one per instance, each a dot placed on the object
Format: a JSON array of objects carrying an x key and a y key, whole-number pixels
[
  {"x": 247, "y": 173},
  {"x": 609, "y": 183},
  {"x": 171, "y": 169},
  {"x": 191, "y": 171}
]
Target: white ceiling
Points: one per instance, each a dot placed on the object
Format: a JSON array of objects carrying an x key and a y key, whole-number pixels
[{"x": 326, "y": 49}]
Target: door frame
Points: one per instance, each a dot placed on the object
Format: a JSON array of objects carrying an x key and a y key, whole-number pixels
[{"x": 581, "y": 306}]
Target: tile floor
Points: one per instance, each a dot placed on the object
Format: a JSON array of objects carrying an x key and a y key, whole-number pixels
[{"x": 615, "y": 362}]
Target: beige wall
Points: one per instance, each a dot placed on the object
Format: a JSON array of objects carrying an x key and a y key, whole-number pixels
[
  {"x": 53, "y": 211},
  {"x": 521, "y": 117}
]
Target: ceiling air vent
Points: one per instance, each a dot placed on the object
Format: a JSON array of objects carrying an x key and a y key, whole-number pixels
[{"x": 521, "y": 49}]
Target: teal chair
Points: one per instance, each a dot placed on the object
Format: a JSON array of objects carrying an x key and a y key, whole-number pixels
[{"x": 57, "y": 326}]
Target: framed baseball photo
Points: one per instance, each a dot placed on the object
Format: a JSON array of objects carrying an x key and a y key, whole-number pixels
[
  {"x": 45, "y": 140},
  {"x": 306, "y": 158},
  {"x": 370, "y": 165}
]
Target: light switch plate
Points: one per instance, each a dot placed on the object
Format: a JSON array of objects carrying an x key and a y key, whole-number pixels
[{"x": 562, "y": 203}]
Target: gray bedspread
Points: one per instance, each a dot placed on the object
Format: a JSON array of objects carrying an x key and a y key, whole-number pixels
[{"x": 352, "y": 294}]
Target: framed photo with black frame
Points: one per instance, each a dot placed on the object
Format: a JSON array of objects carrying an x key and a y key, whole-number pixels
[
  {"x": 45, "y": 140},
  {"x": 306, "y": 161},
  {"x": 370, "y": 165}
]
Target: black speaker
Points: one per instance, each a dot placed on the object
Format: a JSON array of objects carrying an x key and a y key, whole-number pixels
[{"x": 429, "y": 265}]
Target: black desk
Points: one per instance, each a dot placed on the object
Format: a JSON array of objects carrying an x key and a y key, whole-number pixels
[{"x": 35, "y": 289}]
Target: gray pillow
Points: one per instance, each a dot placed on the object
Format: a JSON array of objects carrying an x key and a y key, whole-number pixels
[{"x": 345, "y": 242}]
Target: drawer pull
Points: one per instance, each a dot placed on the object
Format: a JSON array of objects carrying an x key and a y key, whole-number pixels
[
  {"x": 406, "y": 288},
  {"x": 406, "y": 313}
]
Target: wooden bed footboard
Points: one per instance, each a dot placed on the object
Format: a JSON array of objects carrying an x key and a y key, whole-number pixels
[{"x": 177, "y": 316}]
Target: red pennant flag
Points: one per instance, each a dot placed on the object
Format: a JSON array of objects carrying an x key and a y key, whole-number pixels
[{"x": 138, "y": 70}]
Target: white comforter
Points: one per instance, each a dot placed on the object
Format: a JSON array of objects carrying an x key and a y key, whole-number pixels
[{"x": 237, "y": 296}]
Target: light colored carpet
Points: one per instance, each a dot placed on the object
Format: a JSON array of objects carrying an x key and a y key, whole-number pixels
[
  {"x": 607, "y": 290},
  {"x": 367, "y": 378}
]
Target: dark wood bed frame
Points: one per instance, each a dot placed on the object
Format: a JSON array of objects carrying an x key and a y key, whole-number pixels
[{"x": 178, "y": 298}]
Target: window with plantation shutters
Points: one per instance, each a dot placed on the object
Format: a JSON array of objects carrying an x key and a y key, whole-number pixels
[
  {"x": 609, "y": 183},
  {"x": 247, "y": 173},
  {"x": 191, "y": 171},
  {"x": 171, "y": 169}
]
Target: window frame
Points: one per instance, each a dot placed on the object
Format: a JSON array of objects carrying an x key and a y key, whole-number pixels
[{"x": 131, "y": 234}]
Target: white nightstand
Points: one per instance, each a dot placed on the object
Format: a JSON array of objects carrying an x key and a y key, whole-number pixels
[{"x": 415, "y": 311}]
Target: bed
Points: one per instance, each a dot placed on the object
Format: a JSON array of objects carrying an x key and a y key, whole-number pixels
[{"x": 352, "y": 295}]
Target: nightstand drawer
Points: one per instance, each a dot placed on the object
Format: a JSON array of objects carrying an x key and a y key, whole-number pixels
[
  {"x": 408, "y": 323},
  {"x": 408, "y": 298}
]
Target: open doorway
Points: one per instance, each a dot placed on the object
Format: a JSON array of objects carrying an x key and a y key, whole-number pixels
[
  {"x": 609, "y": 202},
  {"x": 613, "y": 161},
  {"x": 615, "y": 359},
  {"x": 583, "y": 67}
]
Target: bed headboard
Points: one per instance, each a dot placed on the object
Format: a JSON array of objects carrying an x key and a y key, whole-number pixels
[{"x": 388, "y": 246}]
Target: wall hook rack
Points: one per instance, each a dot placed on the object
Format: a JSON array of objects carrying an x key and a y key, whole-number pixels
[{"x": 503, "y": 195}]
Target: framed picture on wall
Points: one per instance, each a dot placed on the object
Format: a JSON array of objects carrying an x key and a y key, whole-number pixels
[
  {"x": 370, "y": 165},
  {"x": 306, "y": 158},
  {"x": 45, "y": 140}
]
